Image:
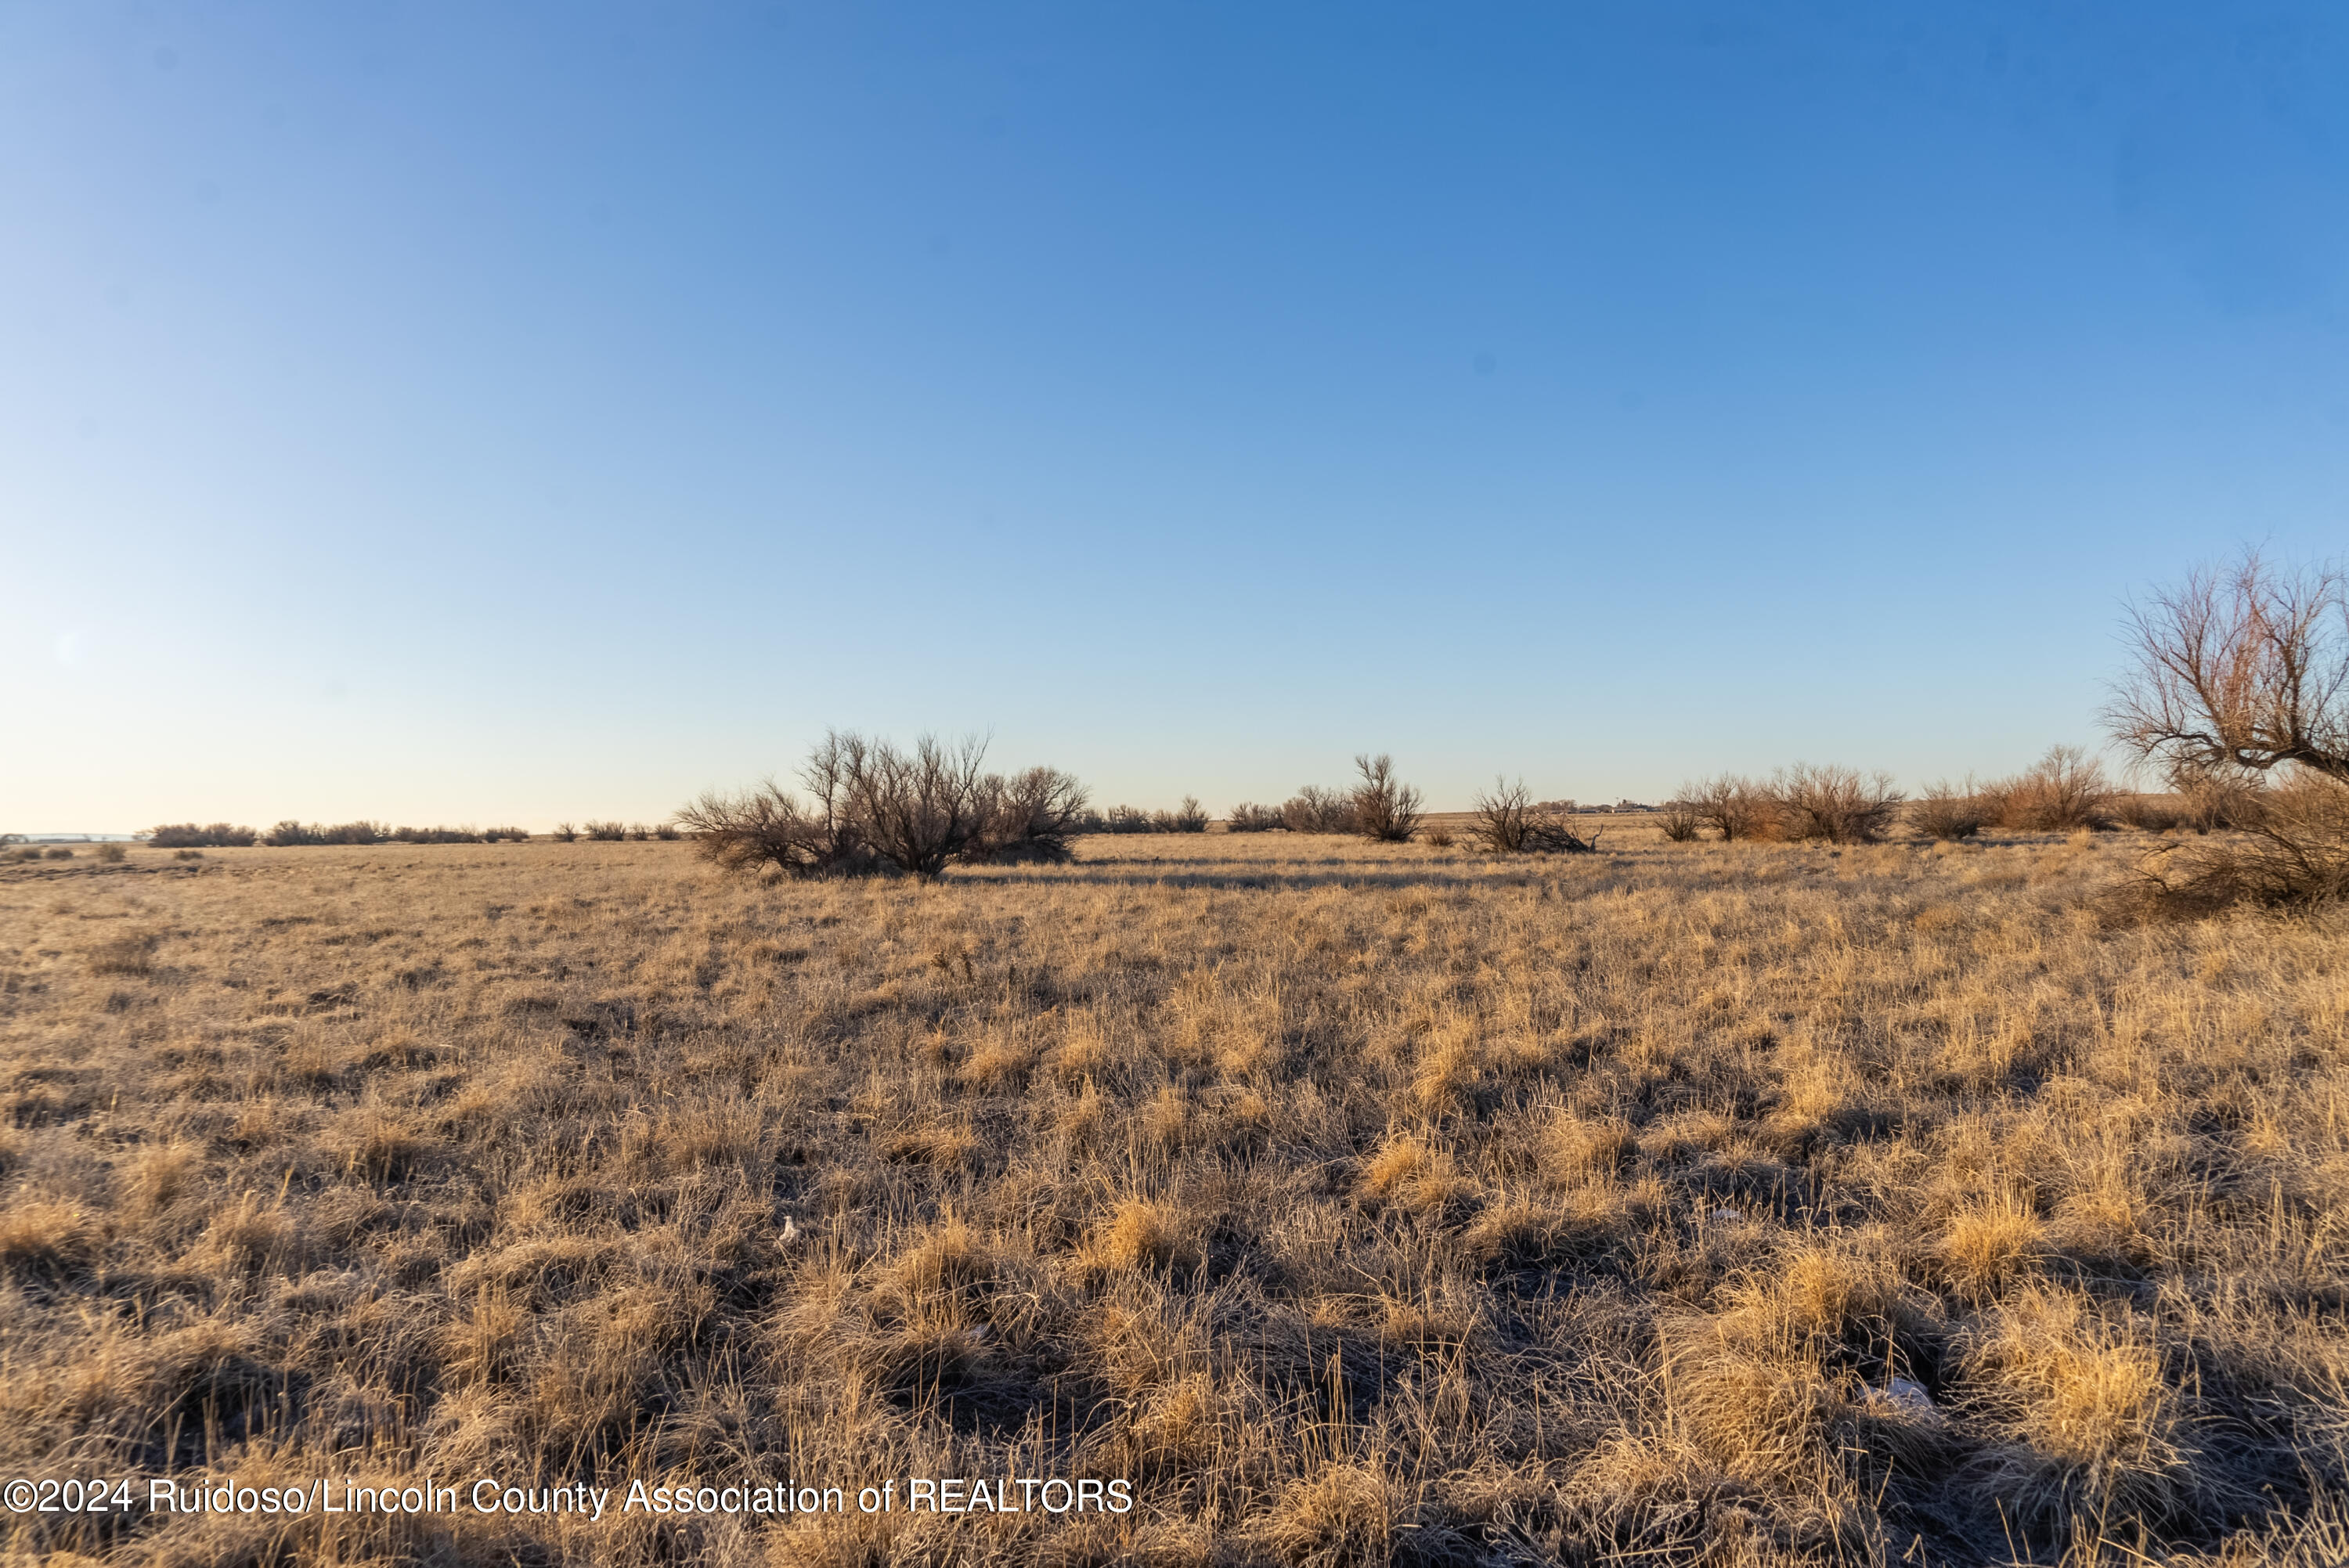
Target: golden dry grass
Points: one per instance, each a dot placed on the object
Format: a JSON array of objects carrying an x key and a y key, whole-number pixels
[{"x": 1683, "y": 1203}]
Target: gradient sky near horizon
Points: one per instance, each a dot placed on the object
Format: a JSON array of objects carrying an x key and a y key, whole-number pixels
[{"x": 454, "y": 413}]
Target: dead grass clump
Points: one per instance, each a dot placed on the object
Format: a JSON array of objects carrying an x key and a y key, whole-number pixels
[
  {"x": 160, "y": 1174},
  {"x": 1573, "y": 1147},
  {"x": 48, "y": 1241},
  {"x": 1985, "y": 1248},
  {"x": 1412, "y": 1173},
  {"x": 1815, "y": 1297},
  {"x": 130, "y": 953},
  {"x": 2092, "y": 1430},
  {"x": 1343, "y": 1514},
  {"x": 1176, "y": 1427},
  {"x": 250, "y": 1236},
  {"x": 943, "y": 1146},
  {"x": 379, "y": 1143},
  {"x": 1148, "y": 1234},
  {"x": 1000, "y": 1065},
  {"x": 950, "y": 1260},
  {"x": 1763, "y": 1418}
]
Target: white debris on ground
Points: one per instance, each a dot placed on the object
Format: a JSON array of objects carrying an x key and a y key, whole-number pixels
[{"x": 1907, "y": 1397}]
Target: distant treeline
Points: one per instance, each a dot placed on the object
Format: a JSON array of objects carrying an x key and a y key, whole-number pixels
[{"x": 225, "y": 836}]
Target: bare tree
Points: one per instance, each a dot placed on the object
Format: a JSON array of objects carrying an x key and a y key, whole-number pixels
[
  {"x": 1385, "y": 808},
  {"x": 1679, "y": 820},
  {"x": 2240, "y": 693},
  {"x": 2240, "y": 669}
]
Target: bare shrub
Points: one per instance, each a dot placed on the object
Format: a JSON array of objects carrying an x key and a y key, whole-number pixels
[
  {"x": 1509, "y": 822},
  {"x": 189, "y": 836},
  {"x": 565, "y": 833},
  {"x": 1314, "y": 809},
  {"x": 1385, "y": 808},
  {"x": 1190, "y": 817},
  {"x": 1950, "y": 811},
  {"x": 922, "y": 809},
  {"x": 2062, "y": 792},
  {"x": 769, "y": 825},
  {"x": 876, "y": 807},
  {"x": 606, "y": 832},
  {"x": 1029, "y": 817},
  {"x": 2288, "y": 849},
  {"x": 58, "y": 852},
  {"x": 435, "y": 836},
  {"x": 1731, "y": 806},
  {"x": 1680, "y": 820},
  {"x": 1250, "y": 818},
  {"x": 508, "y": 834},
  {"x": 1836, "y": 805},
  {"x": 665, "y": 833},
  {"x": 111, "y": 854}
]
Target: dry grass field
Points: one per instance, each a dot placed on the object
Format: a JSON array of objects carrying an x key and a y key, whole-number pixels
[{"x": 1680, "y": 1203}]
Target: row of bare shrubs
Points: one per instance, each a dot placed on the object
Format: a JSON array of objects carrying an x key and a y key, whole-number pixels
[
  {"x": 291, "y": 832},
  {"x": 1188, "y": 818},
  {"x": 191, "y": 836},
  {"x": 871, "y": 807},
  {"x": 2063, "y": 791},
  {"x": 226, "y": 836},
  {"x": 613, "y": 832}
]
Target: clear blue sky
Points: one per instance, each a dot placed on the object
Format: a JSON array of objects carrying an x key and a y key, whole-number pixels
[{"x": 483, "y": 412}]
